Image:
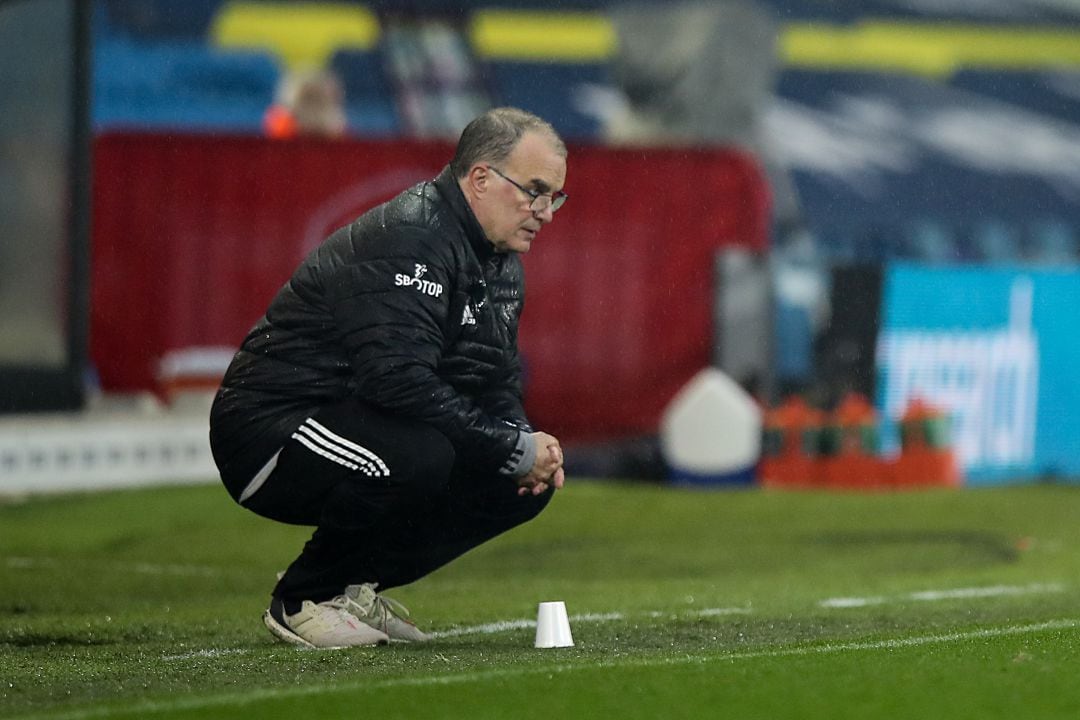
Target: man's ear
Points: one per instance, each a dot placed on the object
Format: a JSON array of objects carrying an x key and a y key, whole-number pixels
[{"x": 478, "y": 178}]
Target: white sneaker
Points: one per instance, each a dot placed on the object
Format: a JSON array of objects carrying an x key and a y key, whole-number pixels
[
  {"x": 382, "y": 613},
  {"x": 321, "y": 625}
]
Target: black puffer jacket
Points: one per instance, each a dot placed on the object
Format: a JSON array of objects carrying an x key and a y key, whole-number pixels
[{"x": 408, "y": 308}]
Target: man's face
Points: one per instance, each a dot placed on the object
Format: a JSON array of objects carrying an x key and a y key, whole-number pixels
[{"x": 503, "y": 209}]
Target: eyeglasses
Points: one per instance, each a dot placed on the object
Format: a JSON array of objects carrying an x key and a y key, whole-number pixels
[{"x": 540, "y": 201}]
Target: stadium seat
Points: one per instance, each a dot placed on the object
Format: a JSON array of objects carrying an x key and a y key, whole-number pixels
[
  {"x": 557, "y": 92},
  {"x": 546, "y": 62},
  {"x": 436, "y": 79},
  {"x": 1053, "y": 93},
  {"x": 944, "y": 13},
  {"x": 180, "y": 85},
  {"x": 926, "y": 48},
  {"x": 361, "y": 72},
  {"x": 369, "y": 98},
  {"x": 303, "y": 35},
  {"x": 540, "y": 36},
  {"x": 159, "y": 19}
]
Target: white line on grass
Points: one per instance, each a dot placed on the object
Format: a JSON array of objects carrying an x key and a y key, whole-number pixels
[
  {"x": 504, "y": 625},
  {"x": 25, "y": 563},
  {"x": 486, "y": 628},
  {"x": 497, "y": 627},
  {"x": 154, "y": 569},
  {"x": 143, "y": 568},
  {"x": 244, "y": 698},
  {"x": 526, "y": 623},
  {"x": 208, "y": 653},
  {"x": 936, "y": 595},
  {"x": 717, "y": 612},
  {"x": 992, "y": 591}
]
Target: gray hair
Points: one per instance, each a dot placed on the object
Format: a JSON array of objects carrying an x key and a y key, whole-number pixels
[{"x": 492, "y": 137}]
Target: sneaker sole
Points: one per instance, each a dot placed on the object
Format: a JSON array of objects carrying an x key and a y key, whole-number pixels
[{"x": 285, "y": 634}]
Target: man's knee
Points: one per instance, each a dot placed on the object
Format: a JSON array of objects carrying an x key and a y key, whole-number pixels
[{"x": 533, "y": 505}]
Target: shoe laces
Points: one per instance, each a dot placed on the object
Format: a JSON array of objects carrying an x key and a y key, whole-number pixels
[
  {"x": 340, "y": 602},
  {"x": 380, "y": 607}
]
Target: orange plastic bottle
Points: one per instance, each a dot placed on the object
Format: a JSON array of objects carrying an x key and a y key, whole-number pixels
[
  {"x": 851, "y": 444},
  {"x": 926, "y": 456},
  {"x": 790, "y": 445}
]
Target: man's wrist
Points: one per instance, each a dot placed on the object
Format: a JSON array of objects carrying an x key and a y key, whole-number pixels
[{"x": 522, "y": 458}]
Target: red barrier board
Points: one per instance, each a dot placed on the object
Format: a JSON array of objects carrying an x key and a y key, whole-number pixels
[{"x": 193, "y": 235}]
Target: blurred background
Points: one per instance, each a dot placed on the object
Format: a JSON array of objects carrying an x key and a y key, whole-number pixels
[{"x": 822, "y": 202}]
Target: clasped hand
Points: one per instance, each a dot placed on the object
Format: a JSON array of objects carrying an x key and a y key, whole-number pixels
[{"x": 547, "y": 470}]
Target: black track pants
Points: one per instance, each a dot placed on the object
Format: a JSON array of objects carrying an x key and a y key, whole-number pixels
[{"x": 388, "y": 499}]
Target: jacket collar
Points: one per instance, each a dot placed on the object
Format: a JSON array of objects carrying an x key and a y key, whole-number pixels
[{"x": 450, "y": 190}]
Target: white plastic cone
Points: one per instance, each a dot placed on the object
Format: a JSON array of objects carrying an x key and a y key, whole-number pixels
[{"x": 553, "y": 626}]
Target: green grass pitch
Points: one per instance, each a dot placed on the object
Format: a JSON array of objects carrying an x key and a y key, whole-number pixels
[{"x": 683, "y": 603}]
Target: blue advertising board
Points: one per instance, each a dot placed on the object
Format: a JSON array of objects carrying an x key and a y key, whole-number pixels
[{"x": 997, "y": 349}]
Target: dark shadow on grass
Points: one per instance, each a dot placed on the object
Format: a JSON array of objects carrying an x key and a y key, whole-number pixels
[
  {"x": 38, "y": 639},
  {"x": 978, "y": 545}
]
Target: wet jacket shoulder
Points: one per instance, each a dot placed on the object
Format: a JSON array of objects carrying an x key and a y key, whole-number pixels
[{"x": 408, "y": 308}]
